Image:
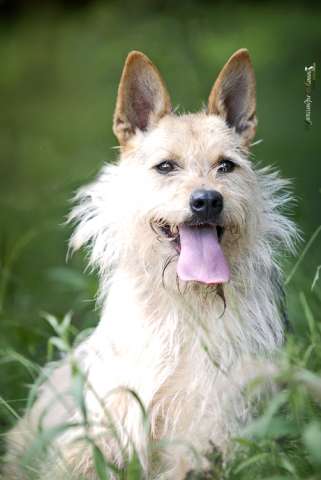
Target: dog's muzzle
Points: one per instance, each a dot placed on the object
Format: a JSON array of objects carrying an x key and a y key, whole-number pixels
[{"x": 198, "y": 240}]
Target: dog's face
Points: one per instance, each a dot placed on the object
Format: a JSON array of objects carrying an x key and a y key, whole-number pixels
[{"x": 185, "y": 188}]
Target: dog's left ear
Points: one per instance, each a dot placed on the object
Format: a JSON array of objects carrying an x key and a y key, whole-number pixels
[
  {"x": 233, "y": 96},
  {"x": 142, "y": 97}
]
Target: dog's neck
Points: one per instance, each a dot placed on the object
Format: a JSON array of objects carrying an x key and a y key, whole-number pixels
[{"x": 222, "y": 323}]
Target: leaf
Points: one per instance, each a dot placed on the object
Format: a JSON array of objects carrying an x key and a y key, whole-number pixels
[
  {"x": 78, "y": 391},
  {"x": 287, "y": 465},
  {"x": 311, "y": 381},
  {"x": 65, "y": 324},
  {"x": 260, "y": 427},
  {"x": 250, "y": 461},
  {"x": 134, "y": 470},
  {"x": 316, "y": 277},
  {"x": 59, "y": 343},
  {"x": 245, "y": 442},
  {"x": 307, "y": 354},
  {"x": 303, "y": 254},
  {"x": 100, "y": 464},
  {"x": 61, "y": 329},
  {"x": 7, "y": 356},
  {"x": 312, "y": 441},
  {"x": 53, "y": 322},
  {"x": 9, "y": 408},
  {"x": 280, "y": 427},
  {"x": 308, "y": 314},
  {"x": 82, "y": 335}
]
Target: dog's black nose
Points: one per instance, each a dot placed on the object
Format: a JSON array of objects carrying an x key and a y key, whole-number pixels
[{"x": 206, "y": 205}]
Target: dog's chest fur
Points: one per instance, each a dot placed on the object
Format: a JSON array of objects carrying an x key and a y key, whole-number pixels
[{"x": 174, "y": 355}]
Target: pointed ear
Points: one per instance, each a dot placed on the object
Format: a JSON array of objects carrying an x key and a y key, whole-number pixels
[
  {"x": 233, "y": 96},
  {"x": 142, "y": 97}
]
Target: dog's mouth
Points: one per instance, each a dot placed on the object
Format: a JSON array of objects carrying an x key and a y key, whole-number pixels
[{"x": 201, "y": 258}]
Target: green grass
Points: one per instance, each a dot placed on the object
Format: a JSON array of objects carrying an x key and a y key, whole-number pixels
[{"x": 58, "y": 78}]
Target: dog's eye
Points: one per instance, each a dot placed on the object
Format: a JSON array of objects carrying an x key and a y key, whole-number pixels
[
  {"x": 166, "y": 167},
  {"x": 226, "y": 166}
]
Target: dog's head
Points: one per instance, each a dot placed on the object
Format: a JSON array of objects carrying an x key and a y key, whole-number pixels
[
  {"x": 191, "y": 181},
  {"x": 183, "y": 193}
]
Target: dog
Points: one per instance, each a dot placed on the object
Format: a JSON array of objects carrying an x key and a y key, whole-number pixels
[{"x": 186, "y": 234}]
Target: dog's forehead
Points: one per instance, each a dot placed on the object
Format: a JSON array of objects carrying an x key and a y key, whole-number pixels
[{"x": 191, "y": 134}]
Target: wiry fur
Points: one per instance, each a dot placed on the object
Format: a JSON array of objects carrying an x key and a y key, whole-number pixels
[{"x": 186, "y": 349}]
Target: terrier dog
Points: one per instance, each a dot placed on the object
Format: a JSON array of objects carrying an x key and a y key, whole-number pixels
[{"x": 186, "y": 234}]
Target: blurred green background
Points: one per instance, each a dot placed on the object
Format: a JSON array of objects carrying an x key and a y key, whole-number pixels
[{"x": 59, "y": 69}]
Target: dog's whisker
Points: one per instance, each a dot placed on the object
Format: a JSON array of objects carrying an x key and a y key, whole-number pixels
[{"x": 168, "y": 261}]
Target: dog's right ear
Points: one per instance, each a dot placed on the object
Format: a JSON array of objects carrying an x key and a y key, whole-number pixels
[{"x": 142, "y": 97}]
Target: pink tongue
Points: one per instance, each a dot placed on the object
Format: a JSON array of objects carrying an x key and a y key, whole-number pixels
[{"x": 201, "y": 258}]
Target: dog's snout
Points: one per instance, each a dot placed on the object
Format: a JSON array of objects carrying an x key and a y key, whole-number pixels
[{"x": 206, "y": 205}]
